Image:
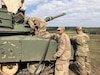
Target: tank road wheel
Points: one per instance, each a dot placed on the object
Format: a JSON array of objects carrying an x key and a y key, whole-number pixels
[
  {"x": 9, "y": 68},
  {"x": 32, "y": 67}
]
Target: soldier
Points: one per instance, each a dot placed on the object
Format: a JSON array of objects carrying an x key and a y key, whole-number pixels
[
  {"x": 38, "y": 26},
  {"x": 63, "y": 54},
  {"x": 82, "y": 52},
  {"x": 13, "y": 5}
]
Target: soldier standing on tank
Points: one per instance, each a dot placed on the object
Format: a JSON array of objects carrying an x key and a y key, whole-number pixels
[
  {"x": 13, "y": 5},
  {"x": 63, "y": 53},
  {"x": 82, "y": 52}
]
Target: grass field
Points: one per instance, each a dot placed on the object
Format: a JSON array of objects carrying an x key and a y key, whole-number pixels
[{"x": 95, "y": 49}]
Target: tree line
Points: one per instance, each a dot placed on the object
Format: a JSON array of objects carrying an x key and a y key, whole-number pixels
[{"x": 90, "y": 30}]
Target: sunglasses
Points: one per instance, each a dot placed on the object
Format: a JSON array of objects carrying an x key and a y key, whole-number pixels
[{"x": 58, "y": 30}]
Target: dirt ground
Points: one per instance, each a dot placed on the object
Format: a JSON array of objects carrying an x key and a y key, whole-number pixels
[{"x": 95, "y": 69}]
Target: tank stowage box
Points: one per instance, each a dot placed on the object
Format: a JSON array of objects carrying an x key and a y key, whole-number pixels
[{"x": 5, "y": 18}]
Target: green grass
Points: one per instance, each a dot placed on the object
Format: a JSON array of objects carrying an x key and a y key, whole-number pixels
[{"x": 95, "y": 48}]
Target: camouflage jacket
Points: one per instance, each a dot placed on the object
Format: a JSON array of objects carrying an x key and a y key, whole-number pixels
[
  {"x": 81, "y": 43},
  {"x": 64, "y": 47}
]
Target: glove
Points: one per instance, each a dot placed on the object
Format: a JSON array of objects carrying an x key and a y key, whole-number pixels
[{"x": 53, "y": 36}]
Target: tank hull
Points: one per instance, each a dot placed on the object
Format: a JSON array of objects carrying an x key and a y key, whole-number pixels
[{"x": 25, "y": 48}]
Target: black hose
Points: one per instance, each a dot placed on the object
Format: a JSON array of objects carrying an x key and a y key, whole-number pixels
[{"x": 43, "y": 57}]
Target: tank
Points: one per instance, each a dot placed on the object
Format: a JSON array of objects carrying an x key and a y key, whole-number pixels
[{"x": 20, "y": 52}]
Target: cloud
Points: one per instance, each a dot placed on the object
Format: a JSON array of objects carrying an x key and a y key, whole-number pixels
[
  {"x": 0, "y": 3},
  {"x": 35, "y": 2},
  {"x": 48, "y": 8},
  {"x": 77, "y": 10},
  {"x": 84, "y": 12}
]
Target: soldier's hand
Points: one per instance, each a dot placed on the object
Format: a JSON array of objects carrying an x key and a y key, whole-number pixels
[
  {"x": 54, "y": 57},
  {"x": 52, "y": 36}
]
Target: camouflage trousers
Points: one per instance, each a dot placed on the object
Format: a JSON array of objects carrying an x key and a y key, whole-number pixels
[
  {"x": 83, "y": 64},
  {"x": 43, "y": 34},
  {"x": 62, "y": 68}
]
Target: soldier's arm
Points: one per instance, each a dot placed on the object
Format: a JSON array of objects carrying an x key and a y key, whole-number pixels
[
  {"x": 87, "y": 38},
  {"x": 72, "y": 39},
  {"x": 55, "y": 37},
  {"x": 61, "y": 48},
  {"x": 82, "y": 39}
]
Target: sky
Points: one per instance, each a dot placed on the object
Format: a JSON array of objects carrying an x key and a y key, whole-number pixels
[{"x": 85, "y": 13}]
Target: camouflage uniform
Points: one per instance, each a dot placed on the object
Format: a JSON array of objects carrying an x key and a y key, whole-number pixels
[
  {"x": 13, "y": 5},
  {"x": 63, "y": 55},
  {"x": 39, "y": 27},
  {"x": 82, "y": 53},
  {"x": 37, "y": 24}
]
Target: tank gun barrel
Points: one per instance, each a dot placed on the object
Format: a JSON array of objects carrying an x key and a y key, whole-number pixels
[{"x": 53, "y": 17}]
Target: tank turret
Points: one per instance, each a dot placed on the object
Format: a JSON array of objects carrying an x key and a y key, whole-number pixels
[{"x": 10, "y": 23}]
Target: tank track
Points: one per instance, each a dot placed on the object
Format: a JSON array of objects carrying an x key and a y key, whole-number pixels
[
  {"x": 23, "y": 72},
  {"x": 48, "y": 70}
]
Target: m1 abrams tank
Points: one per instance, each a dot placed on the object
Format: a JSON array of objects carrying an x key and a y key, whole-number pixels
[{"x": 20, "y": 52}]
